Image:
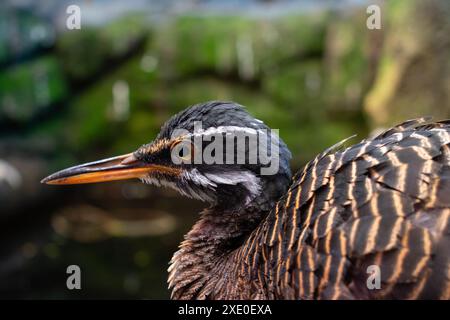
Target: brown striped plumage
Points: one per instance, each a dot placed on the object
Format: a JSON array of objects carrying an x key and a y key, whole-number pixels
[{"x": 384, "y": 201}]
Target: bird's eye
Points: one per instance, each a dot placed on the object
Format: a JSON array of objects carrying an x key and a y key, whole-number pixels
[{"x": 182, "y": 151}]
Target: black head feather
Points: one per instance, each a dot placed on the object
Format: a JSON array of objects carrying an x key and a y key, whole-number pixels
[{"x": 227, "y": 185}]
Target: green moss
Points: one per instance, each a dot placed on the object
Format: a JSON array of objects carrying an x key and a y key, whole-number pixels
[
  {"x": 241, "y": 45},
  {"x": 291, "y": 91},
  {"x": 124, "y": 32},
  {"x": 84, "y": 52},
  {"x": 410, "y": 82},
  {"x": 347, "y": 61},
  {"x": 306, "y": 34},
  {"x": 297, "y": 87},
  {"x": 89, "y": 117},
  {"x": 92, "y": 122},
  {"x": 28, "y": 88}
]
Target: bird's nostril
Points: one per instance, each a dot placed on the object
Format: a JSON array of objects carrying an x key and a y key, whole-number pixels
[{"x": 129, "y": 160}]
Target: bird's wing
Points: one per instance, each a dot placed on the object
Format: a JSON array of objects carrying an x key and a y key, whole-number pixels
[{"x": 384, "y": 202}]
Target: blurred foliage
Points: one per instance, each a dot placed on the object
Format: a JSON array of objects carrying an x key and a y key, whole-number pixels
[
  {"x": 27, "y": 88},
  {"x": 349, "y": 55},
  {"x": 243, "y": 45},
  {"x": 413, "y": 77},
  {"x": 192, "y": 59},
  {"x": 84, "y": 52},
  {"x": 30, "y": 33}
]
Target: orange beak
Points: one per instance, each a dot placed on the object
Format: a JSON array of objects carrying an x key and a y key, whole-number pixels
[{"x": 117, "y": 168}]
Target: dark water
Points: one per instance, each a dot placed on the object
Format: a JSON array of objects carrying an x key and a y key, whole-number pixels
[{"x": 121, "y": 246}]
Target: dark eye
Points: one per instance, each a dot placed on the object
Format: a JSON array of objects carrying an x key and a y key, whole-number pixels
[{"x": 182, "y": 150}]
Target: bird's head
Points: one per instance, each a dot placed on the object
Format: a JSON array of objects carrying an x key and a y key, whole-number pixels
[{"x": 214, "y": 151}]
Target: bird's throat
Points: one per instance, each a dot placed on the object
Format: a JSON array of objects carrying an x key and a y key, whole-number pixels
[{"x": 215, "y": 238}]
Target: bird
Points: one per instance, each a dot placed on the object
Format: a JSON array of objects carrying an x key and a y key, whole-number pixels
[{"x": 365, "y": 221}]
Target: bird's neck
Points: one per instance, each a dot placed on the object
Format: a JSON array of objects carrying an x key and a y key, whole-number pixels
[{"x": 201, "y": 259}]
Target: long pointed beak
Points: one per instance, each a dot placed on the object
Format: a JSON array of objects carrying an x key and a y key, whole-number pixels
[{"x": 116, "y": 168}]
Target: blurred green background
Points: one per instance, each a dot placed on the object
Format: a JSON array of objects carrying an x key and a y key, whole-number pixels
[{"x": 309, "y": 68}]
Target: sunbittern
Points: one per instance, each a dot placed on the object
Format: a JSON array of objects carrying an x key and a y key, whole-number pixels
[{"x": 384, "y": 202}]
